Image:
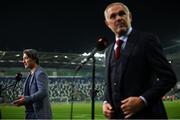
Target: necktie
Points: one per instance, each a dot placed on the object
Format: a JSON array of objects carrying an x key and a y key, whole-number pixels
[{"x": 118, "y": 49}]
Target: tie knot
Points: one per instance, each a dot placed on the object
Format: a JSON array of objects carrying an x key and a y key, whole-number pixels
[{"x": 119, "y": 42}]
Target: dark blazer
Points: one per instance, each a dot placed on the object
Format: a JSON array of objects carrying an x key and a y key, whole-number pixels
[
  {"x": 145, "y": 72},
  {"x": 38, "y": 89}
]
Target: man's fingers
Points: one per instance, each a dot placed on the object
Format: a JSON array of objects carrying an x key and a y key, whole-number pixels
[
  {"x": 123, "y": 106},
  {"x": 124, "y": 101},
  {"x": 108, "y": 106},
  {"x": 128, "y": 115},
  {"x": 107, "y": 110},
  {"x": 108, "y": 114}
]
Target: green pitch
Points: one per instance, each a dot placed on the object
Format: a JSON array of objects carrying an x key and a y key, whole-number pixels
[{"x": 81, "y": 110}]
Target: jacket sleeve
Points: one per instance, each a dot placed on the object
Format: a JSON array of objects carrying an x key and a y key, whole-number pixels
[{"x": 162, "y": 68}]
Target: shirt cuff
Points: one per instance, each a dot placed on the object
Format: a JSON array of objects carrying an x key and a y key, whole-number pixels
[
  {"x": 144, "y": 100},
  {"x": 105, "y": 102}
]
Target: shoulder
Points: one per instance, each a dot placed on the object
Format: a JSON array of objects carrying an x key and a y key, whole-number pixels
[
  {"x": 39, "y": 71},
  {"x": 109, "y": 48},
  {"x": 143, "y": 34},
  {"x": 145, "y": 37}
]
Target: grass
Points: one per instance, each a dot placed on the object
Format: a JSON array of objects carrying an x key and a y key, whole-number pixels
[
  {"x": 173, "y": 109},
  {"x": 81, "y": 110}
]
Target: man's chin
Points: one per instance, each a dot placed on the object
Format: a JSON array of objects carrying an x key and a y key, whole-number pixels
[{"x": 122, "y": 31}]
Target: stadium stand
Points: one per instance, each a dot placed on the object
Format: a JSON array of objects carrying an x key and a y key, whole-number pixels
[{"x": 60, "y": 88}]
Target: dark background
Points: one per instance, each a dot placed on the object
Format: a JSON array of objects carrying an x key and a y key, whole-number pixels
[{"x": 74, "y": 26}]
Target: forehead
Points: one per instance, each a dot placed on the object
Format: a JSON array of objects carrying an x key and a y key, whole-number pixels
[{"x": 25, "y": 56}]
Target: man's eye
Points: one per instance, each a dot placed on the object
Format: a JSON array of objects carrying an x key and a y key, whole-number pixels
[
  {"x": 112, "y": 16},
  {"x": 121, "y": 13},
  {"x": 25, "y": 58}
]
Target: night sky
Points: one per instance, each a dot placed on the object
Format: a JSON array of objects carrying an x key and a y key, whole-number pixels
[{"x": 74, "y": 26}]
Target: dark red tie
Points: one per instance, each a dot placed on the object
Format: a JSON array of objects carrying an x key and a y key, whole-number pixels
[{"x": 118, "y": 49}]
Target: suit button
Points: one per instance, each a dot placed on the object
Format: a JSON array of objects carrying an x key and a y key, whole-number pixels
[{"x": 115, "y": 84}]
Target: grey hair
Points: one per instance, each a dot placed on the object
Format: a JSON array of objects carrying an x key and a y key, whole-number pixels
[{"x": 113, "y": 4}]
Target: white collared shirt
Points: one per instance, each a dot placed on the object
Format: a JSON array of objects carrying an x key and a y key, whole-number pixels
[{"x": 123, "y": 38}]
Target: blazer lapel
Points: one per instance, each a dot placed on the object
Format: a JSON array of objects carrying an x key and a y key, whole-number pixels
[
  {"x": 107, "y": 62},
  {"x": 24, "y": 86},
  {"x": 130, "y": 45},
  {"x": 32, "y": 77},
  {"x": 109, "y": 51}
]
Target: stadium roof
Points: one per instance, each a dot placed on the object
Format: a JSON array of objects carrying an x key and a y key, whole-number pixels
[
  {"x": 48, "y": 59},
  {"x": 72, "y": 60}
]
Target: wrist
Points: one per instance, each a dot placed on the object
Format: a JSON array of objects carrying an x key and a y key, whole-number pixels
[{"x": 143, "y": 101}]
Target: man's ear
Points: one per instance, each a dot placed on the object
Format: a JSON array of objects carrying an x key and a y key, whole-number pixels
[
  {"x": 107, "y": 24},
  {"x": 130, "y": 16}
]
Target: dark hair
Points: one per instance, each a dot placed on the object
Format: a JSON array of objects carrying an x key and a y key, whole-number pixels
[{"x": 32, "y": 54}]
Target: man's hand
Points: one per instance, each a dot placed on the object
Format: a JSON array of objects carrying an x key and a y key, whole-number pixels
[
  {"x": 107, "y": 110},
  {"x": 20, "y": 101},
  {"x": 131, "y": 105}
]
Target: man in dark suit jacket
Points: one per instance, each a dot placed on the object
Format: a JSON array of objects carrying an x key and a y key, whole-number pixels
[
  {"x": 36, "y": 94},
  {"x": 137, "y": 79}
]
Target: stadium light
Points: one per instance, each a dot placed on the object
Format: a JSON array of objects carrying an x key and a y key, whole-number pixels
[
  {"x": 99, "y": 55},
  {"x": 17, "y": 55},
  {"x": 11, "y": 61},
  {"x": 56, "y": 56},
  {"x": 73, "y": 63},
  {"x": 85, "y": 54},
  {"x": 96, "y": 55},
  {"x": 170, "y": 61}
]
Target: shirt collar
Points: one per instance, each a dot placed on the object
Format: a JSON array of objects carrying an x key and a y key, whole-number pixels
[{"x": 125, "y": 37}]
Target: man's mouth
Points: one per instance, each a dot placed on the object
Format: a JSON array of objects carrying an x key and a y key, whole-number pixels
[{"x": 120, "y": 24}]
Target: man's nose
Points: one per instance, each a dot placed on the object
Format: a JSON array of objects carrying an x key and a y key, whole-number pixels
[
  {"x": 118, "y": 17},
  {"x": 23, "y": 61}
]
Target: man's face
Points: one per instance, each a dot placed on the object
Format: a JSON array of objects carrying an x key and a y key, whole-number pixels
[
  {"x": 28, "y": 62},
  {"x": 118, "y": 19}
]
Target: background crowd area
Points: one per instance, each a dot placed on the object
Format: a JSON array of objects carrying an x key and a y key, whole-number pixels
[{"x": 61, "y": 89}]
